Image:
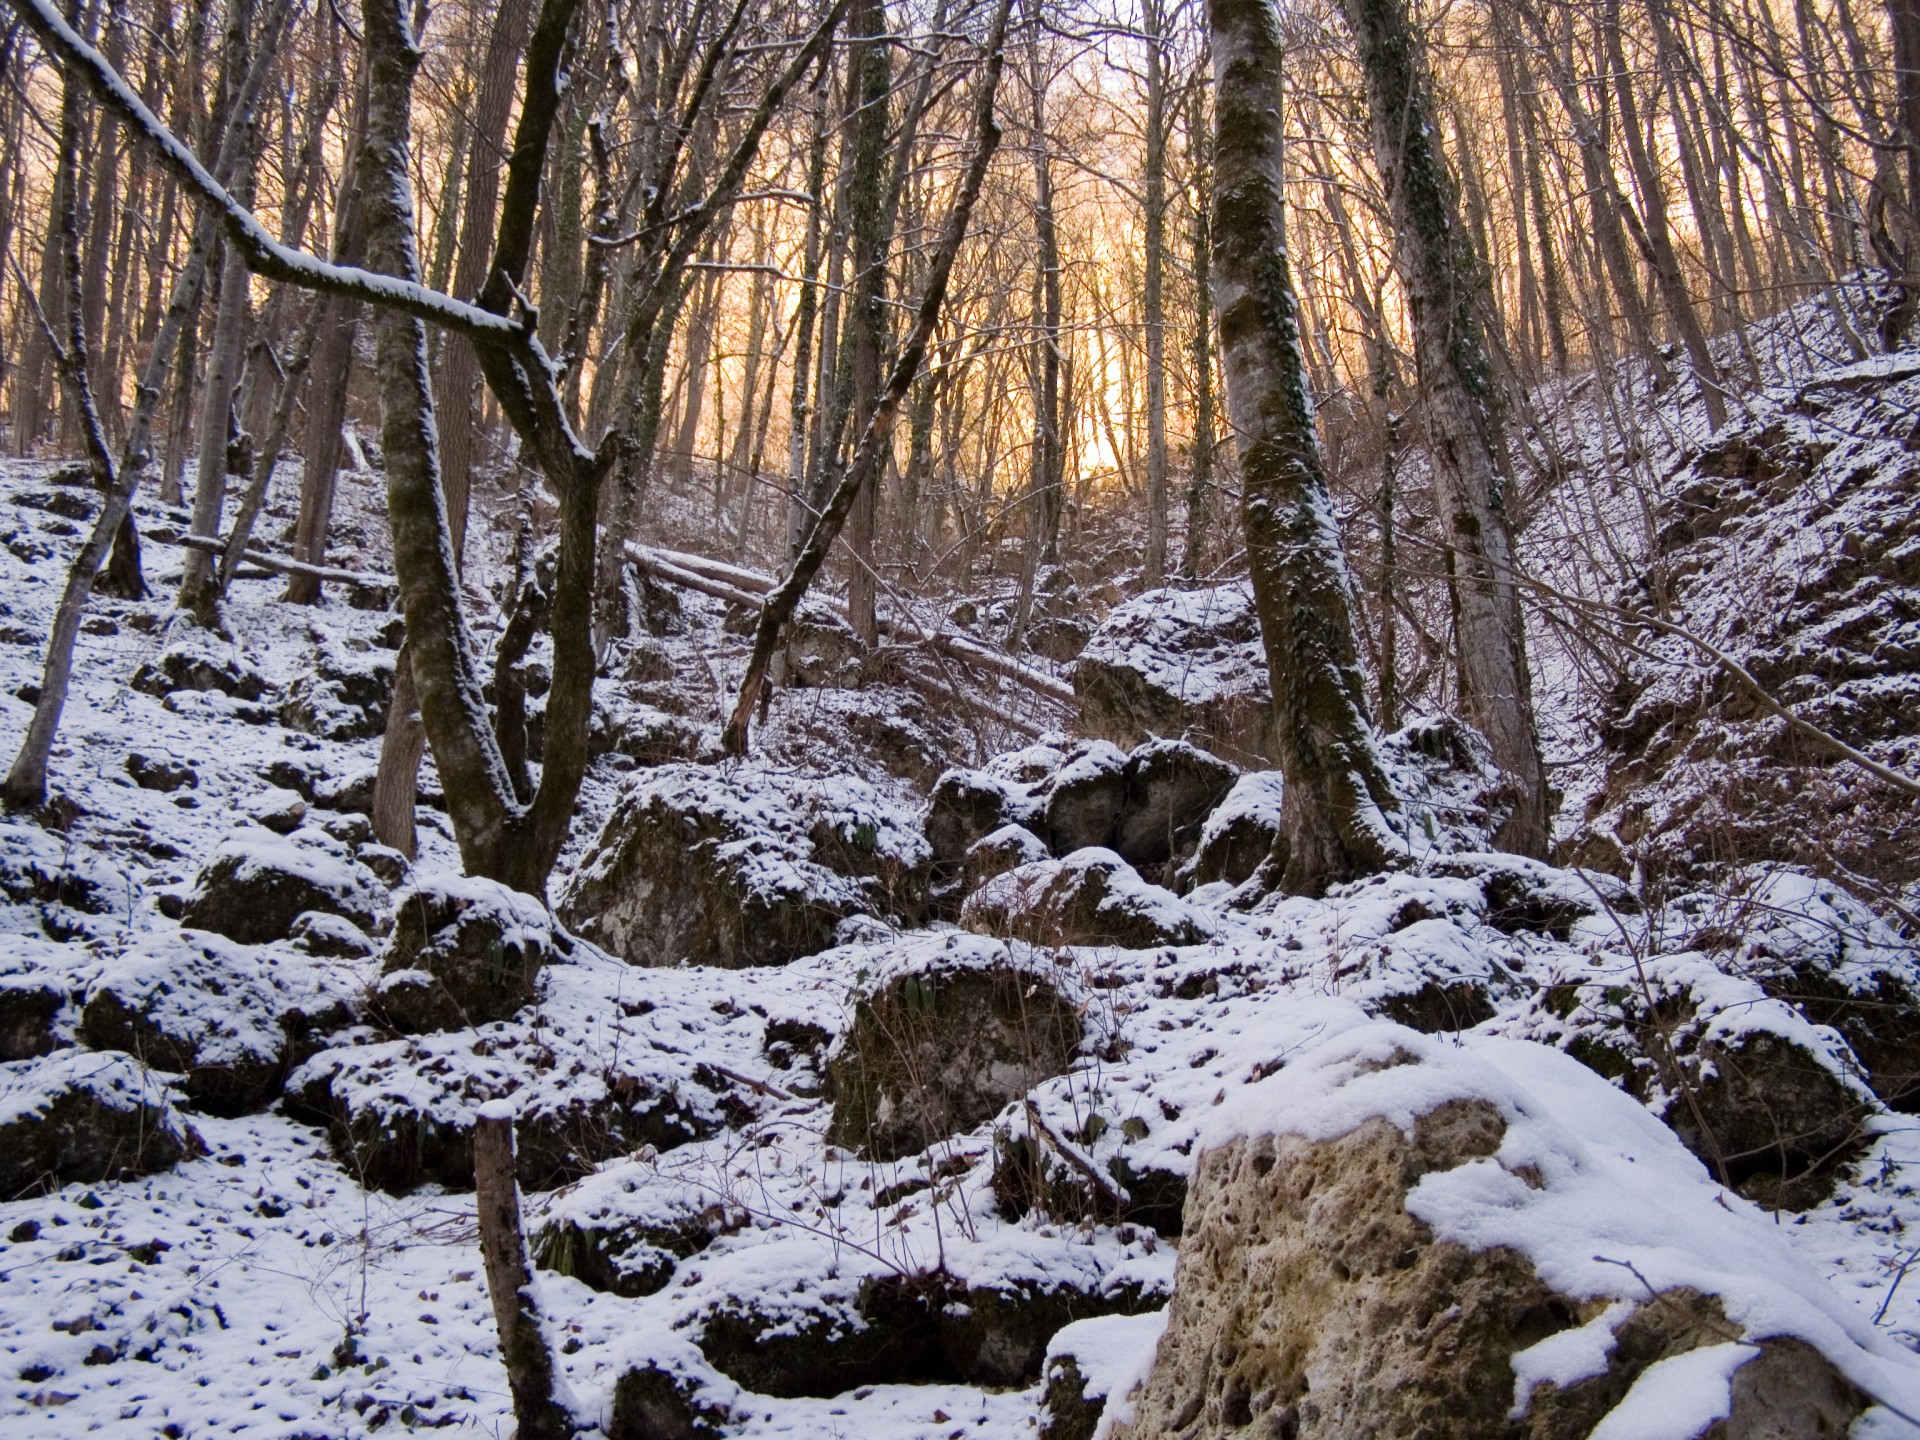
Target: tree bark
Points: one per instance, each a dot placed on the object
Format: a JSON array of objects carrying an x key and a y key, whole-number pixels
[
  {"x": 1155, "y": 207},
  {"x": 870, "y": 68},
  {"x": 1446, "y": 289},
  {"x": 524, "y": 1348},
  {"x": 1336, "y": 792}
]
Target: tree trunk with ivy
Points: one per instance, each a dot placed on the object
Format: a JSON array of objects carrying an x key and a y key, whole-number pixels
[
  {"x": 1446, "y": 286},
  {"x": 1336, "y": 797}
]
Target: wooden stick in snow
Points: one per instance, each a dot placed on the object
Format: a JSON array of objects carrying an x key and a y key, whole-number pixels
[{"x": 503, "y": 1248}]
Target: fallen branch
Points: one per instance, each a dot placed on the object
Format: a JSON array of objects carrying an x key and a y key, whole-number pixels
[
  {"x": 267, "y": 560},
  {"x": 749, "y": 589}
]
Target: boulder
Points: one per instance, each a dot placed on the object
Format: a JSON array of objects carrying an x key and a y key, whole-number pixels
[
  {"x": 1239, "y": 833},
  {"x": 704, "y": 866},
  {"x": 1398, "y": 1236},
  {"x": 1171, "y": 789},
  {"x": 899, "y": 1328},
  {"x": 1083, "y": 800},
  {"x": 401, "y": 1113},
  {"x": 1086, "y": 1362},
  {"x": 83, "y": 1116},
  {"x": 259, "y": 883},
  {"x": 159, "y": 772},
  {"x": 197, "y": 659},
  {"x": 65, "y": 888},
  {"x": 195, "y": 1005},
  {"x": 36, "y": 982},
  {"x": 655, "y": 1401},
  {"x": 967, "y": 806},
  {"x": 1092, "y": 897},
  {"x": 935, "y": 1051},
  {"x": 341, "y": 696},
  {"x": 625, "y": 1234},
  {"x": 464, "y": 951},
  {"x": 1181, "y": 664},
  {"x": 1007, "y": 848}
]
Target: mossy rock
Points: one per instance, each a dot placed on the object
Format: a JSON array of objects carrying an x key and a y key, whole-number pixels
[
  {"x": 931, "y": 1055},
  {"x": 83, "y": 1116}
]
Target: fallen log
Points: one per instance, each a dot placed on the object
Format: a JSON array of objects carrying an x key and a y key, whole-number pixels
[
  {"x": 267, "y": 560},
  {"x": 749, "y": 589}
]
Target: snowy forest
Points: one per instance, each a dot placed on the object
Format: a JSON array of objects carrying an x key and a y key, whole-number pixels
[{"x": 929, "y": 719}]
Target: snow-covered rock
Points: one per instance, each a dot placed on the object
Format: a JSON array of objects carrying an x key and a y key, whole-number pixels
[
  {"x": 259, "y": 883},
  {"x": 1180, "y": 664},
  {"x": 84, "y": 1116},
  {"x": 717, "y": 866},
  {"x": 945, "y": 1038},
  {"x": 1395, "y": 1236},
  {"x": 464, "y": 951},
  {"x": 1092, "y": 897}
]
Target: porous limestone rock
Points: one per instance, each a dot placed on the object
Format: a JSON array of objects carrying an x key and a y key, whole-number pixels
[
  {"x": 465, "y": 951},
  {"x": 259, "y": 883}
]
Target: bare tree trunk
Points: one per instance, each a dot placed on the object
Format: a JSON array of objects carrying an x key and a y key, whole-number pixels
[
  {"x": 332, "y": 370},
  {"x": 1446, "y": 288},
  {"x": 524, "y": 1348},
  {"x": 869, "y": 65},
  {"x": 457, "y": 383},
  {"x": 1155, "y": 206},
  {"x": 1200, "y": 478},
  {"x": 1336, "y": 790},
  {"x": 197, "y": 589}
]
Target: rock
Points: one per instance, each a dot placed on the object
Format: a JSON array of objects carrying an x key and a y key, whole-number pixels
[
  {"x": 1084, "y": 799},
  {"x": 879, "y": 730},
  {"x": 822, "y": 649},
  {"x": 648, "y": 735},
  {"x": 151, "y": 772},
  {"x": 341, "y": 696},
  {"x": 931, "y": 1327},
  {"x": 1059, "y": 637},
  {"x": 37, "y": 979},
  {"x": 1384, "y": 1276},
  {"x": 1171, "y": 789},
  {"x": 1092, "y": 897},
  {"x": 330, "y": 937},
  {"x": 697, "y": 865},
  {"x": 656, "y": 1402},
  {"x": 1007, "y": 848},
  {"x": 197, "y": 659},
  {"x": 855, "y": 830},
  {"x": 1239, "y": 833},
  {"x": 1086, "y": 1361},
  {"x": 258, "y": 884},
  {"x": 1180, "y": 664},
  {"x": 387, "y": 865},
  {"x": 401, "y": 1113},
  {"x": 201, "y": 1008},
  {"x": 479, "y": 947},
  {"x": 933, "y": 1052},
  {"x": 82, "y": 1116},
  {"x": 281, "y": 811},
  {"x": 65, "y": 886},
  {"x": 624, "y": 1235},
  {"x": 966, "y": 806}
]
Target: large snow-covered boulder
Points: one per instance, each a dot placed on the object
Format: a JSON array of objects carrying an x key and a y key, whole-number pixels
[
  {"x": 1092, "y": 897},
  {"x": 195, "y": 1004},
  {"x": 197, "y": 659},
  {"x": 1147, "y": 805},
  {"x": 84, "y": 1116},
  {"x": 1183, "y": 664},
  {"x": 710, "y": 866},
  {"x": 1398, "y": 1236},
  {"x": 258, "y": 883},
  {"x": 943, "y": 1041},
  {"x": 341, "y": 695},
  {"x": 464, "y": 951}
]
